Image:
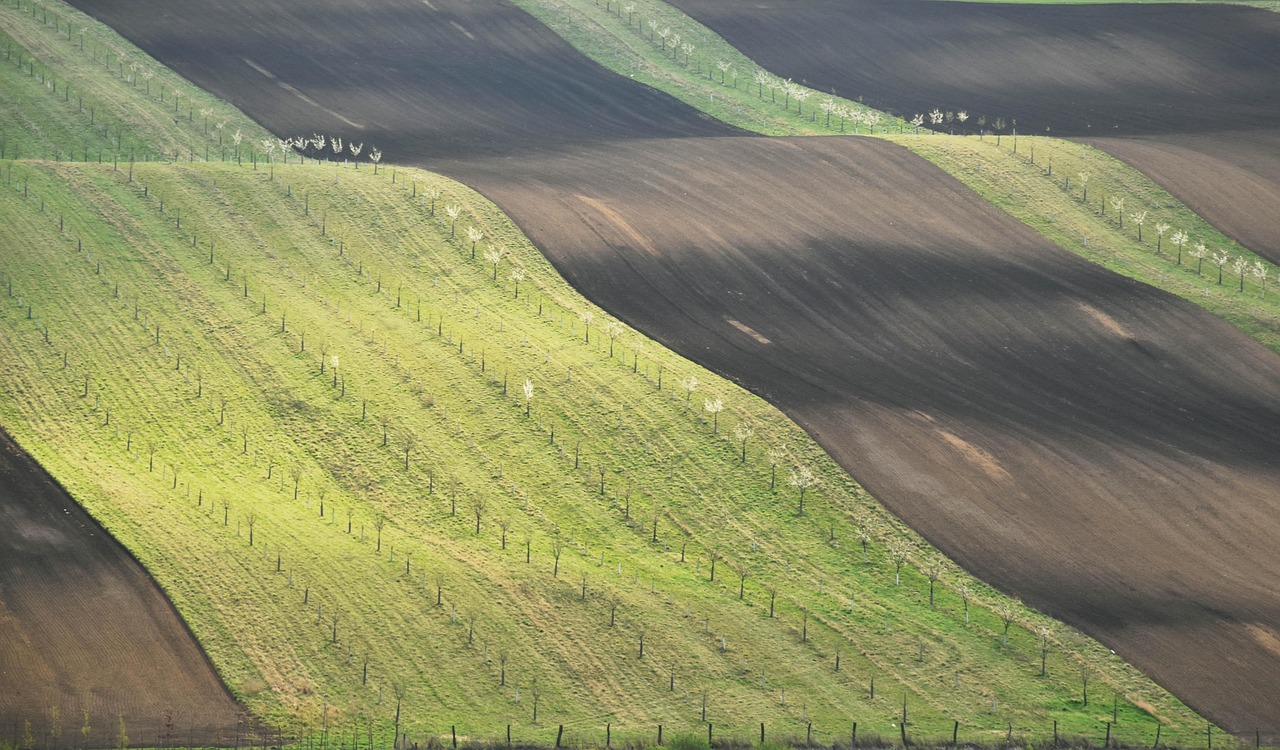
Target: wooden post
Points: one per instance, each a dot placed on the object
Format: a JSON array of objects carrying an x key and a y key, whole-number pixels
[
  {"x": 853, "y": 741},
  {"x": 1157, "y": 742},
  {"x": 659, "y": 735},
  {"x": 508, "y": 737},
  {"x": 454, "y": 731},
  {"x": 1107, "y": 741},
  {"x": 559, "y": 736},
  {"x": 709, "y": 740},
  {"x": 955, "y": 732},
  {"x": 762, "y": 733},
  {"x": 608, "y": 738}
]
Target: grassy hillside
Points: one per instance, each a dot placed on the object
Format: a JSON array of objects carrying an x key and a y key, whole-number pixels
[
  {"x": 72, "y": 89},
  {"x": 237, "y": 412},
  {"x": 621, "y": 40},
  {"x": 219, "y": 385}
]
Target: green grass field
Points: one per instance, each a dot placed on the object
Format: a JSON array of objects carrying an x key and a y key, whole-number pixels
[
  {"x": 1271, "y": 5},
  {"x": 621, "y": 42},
  {"x": 196, "y": 395}
]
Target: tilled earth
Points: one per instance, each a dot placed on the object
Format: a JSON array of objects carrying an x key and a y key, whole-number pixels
[
  {"x": 84, "y": 628},
  {"x": 1190, "y": 95},
  {"x": 1098, "y": 447}
]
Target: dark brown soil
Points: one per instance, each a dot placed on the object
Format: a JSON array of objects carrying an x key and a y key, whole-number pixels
[
  {"x": 1188, "y": 94},
  {"x": 84, "y": 628},
  {"x": 1096, "y": 446},
  {"x": 421, "y": 79},
  {"x": 1103, "y": 450}
]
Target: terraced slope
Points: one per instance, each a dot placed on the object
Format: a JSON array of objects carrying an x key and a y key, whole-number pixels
[{"x": 1188, "y": 94}]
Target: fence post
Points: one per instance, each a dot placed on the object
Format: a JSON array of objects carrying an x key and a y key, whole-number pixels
[
  {"x": 709, "y": 740},
  {"x": 762, "y": 733},
  {"x": 955, "y": 733},
  {"x": 854, "y": 740},
  {"x": 608, "y": 735},
  {"x": 659, "y": 735},
  {"x": 454, "y": 731},
  {"x": 508, "y": 736},
  {"x": 559, "y": 736},
  {"x": 1107, "y": 742}
]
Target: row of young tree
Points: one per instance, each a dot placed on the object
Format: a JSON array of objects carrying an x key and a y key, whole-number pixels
[
  {"x": 1241, "y": 265},
  {"x": 713, "y": 556}
]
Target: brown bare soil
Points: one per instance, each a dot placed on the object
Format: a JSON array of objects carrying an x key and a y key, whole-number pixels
[
  {"x": 84, "y": 628},
  {"x": 1189, "y": 95},
  {"x": 1093, "y": 445},
  {"x": 414, "y": 77},
  {"x": 1096, "y": 446}
]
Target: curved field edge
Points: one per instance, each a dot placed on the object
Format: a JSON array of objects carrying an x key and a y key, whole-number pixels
[
  {"x": 1271, "y": 5},
  {"x": 188, "y": 509},
  {"x": 76, "y": 90},
  {"x": 253, "y": 683},
  {"x": 1045, "y": 193}
]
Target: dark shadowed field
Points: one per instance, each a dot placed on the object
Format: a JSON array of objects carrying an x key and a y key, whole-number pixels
[
  {"x": 84, "y": 628},
  {"x": 1098, "y": 447},
  {"x": 1188, "y": 94}
]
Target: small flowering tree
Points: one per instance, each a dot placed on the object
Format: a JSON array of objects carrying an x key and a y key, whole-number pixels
[
  {"x": 1260, "y": 273},
  {"x": 802, "y": 478},
  {"x": 614, "y": 329},
  {"x": 827, "y": 106},
  {"x": 916, "y": 122},
  {"x": 1117, "y": 204},
  {"x": 800, "y": 94},
  {"x": 375, "y": 156},
  {"x": 1220, "y": 258},
  {"x": 723, "y": 67},
  {"x": 1179, "y": 238},
  {"x": 517, "y": 276},
  {"x": 899, "y": 552},
  {"x": 1161, "y": 228},
  {"x": 453, "y": 212},
  {"x": 1139, "y": 218},
  {"x": 1198, "y": 252},
  {"x": 1239, "y": 265},
  {"x": 475, "y": 235},
  {"x": 714, "y": 406},
  {"x": 762, "y": 79},
  {"x": 528, "y": 396},
  {"x": 493, "y": 255},
  {"x": 689, "y": 384}
]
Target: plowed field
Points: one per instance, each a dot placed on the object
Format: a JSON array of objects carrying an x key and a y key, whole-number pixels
[
  {"x": 1189, "y": 95},
  {"x": 86, "y": 629},
  {"x": 1100, "y": 448}
]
